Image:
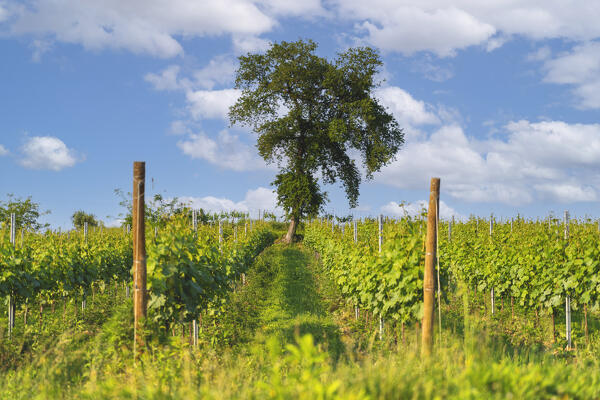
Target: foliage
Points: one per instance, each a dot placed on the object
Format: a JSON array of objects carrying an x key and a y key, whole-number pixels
[
  {"x": 189, "y": 272},
  {"x": 310, "y": 113},
  {"x": 27, "y": 212},
  {"x": 79, "y": 218},
  {"x": 390, "y": 283}
]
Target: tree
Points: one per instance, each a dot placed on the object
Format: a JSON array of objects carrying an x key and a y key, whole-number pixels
[
  {"x": 158, "y": 210},
  {"x": 26, "y": 212},
  {"x": 80, "y": 217},
  {"x": 313, "y": 117}
]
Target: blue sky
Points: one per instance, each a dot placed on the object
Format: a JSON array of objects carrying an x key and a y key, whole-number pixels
[{"x": 500, "y": 99}]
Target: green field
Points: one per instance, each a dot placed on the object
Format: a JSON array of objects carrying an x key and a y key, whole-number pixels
[{"x": 291, "y": 332}]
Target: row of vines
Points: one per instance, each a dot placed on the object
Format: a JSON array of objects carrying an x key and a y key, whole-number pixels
[
  {"x": 190, "y": 270},
  {"x": 532, "y": 263}
]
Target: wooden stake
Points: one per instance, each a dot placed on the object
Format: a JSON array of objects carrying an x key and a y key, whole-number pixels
[
  {"x": 430, "y": 257},
  {"x": 139, "y": 251}
]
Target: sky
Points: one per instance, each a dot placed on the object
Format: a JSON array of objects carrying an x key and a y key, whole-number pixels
[{"x": 498, "y": 98}]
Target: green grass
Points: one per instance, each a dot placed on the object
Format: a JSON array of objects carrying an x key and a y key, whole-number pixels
[{"x": 288, "y": 334}]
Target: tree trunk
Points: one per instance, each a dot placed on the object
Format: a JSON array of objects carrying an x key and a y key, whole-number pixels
[{"x": 289, "y": 237}]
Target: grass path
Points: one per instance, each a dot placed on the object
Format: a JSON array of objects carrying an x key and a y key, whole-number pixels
[{"x": 292, "y": 304}]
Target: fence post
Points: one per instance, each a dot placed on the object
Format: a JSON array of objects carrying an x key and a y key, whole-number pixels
[
  {"x": 430, "y": 258},
  {"x": 139, "y": 251}
]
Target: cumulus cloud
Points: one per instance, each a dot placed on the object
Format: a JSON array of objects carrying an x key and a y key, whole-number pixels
[
  {"x": 436, "y": 26},
  {"x": 114, "y": 223},
  {"x": 219, "y": 71},
  {"x": 579, "y": 68},
  {"x": 405, "y": 108},
  {"x": 441, "y": 31},
  {"x": 243, "y": 44},
  {"x": 139, "y": 26},
  {"x": 3, "y": 151},
  {"x": 167, "y": 79},
  {"x": 416, "y": 207},
  {"x": 47, "y": 152},
  {"x": 153, "y": 26},
  {"x": 550, "y": 160},
  {"x": 254, "y": 200},
  {"x": 226, "y": 151},
  {"x": 211, "y": 103},
  {"x": 294, "y": 7}
]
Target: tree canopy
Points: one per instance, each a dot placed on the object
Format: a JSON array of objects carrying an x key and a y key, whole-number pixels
[
  {"x": 315, "y": 118},
  {"x": 80, "y": 217},
  {"x": 27, "y": 212}
]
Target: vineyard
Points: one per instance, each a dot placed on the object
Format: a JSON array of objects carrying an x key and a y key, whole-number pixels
[
  {"x": 233, "y": 315},
  {"x": 542, "y": 267}
]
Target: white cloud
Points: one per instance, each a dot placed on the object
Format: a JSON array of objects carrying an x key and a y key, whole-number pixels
[
  {"x": 541, "y": 54},
  {"x": 167, "y": 79},
  {"x": 243, "y": 44},
  {"x": 211, "y": 103},
  {"x": 47, "y": 152},
  {"x": 5, "y": 12},
  {"x": 415, "y": 208},
  {"x": 549, "y": 160},
  {"x": 3, "y": 151},
  {"x": 408, "y": 26},
  {"x": 220, "y": 70},
  {"x": 304, "y": 8},
  {"x": 156, "y": 27},
  {"x": 433, "y": 72},
  {"x": 254, "y": 200},
  {"x": 226, "y": 151},
  {"x": 567, "y": 193},
  {"x": 441, "y": 31},
  {"x": 40, "y": 47},
  {"x": 114, "y": 223},
  {"x": 148, "y": 26},
  {"x": 581, "y": 69},
  {"x": 405, "y": 108}
]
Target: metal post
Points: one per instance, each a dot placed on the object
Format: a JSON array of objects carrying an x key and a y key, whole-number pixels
[
  {"x": 85, "y": 231},
  {"x": 195, "y": 333},
  {"x": 491, "y": 231},
  {"x": 11, "y": 299},
  {"x": 220, "y": 235},
  {"x": 568, "y": 297},
  {"x": 380, "y": 239}
]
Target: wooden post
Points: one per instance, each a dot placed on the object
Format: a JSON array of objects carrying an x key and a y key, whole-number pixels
[
  {"x": 428, "y": 279},
  {"x": 139, "y": 250}
]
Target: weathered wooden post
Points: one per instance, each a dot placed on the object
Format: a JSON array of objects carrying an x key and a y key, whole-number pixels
[
  {"x": 139, "y": 252},
  {"x": 430, "y": 258}
]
